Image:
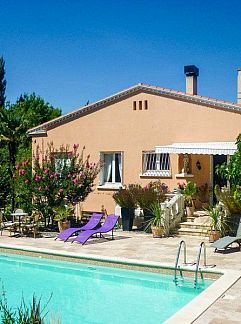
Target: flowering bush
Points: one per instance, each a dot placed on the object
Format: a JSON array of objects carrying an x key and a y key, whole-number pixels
[
  {"x": 153, "y": 192},
  {"x": 57, "y": 177},
  {"x": 126, "y": 197}
]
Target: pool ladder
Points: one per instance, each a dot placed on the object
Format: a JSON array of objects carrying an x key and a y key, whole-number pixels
[
  {"x": 202, "y": 247},
  {"x": 185, "y": 263}
]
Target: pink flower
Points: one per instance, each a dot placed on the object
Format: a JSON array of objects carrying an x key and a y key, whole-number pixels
[
  {"x": 17, "y": 166},
  {"x": 75, "y": 181},
  {"x": 61, "y": 190},
  {"x": 51, "y": 176},
  {"x": 39, "y": 188},
  {"x": 21, "y": 172},
  {"x": 46, "y": 171},
  {"x": 75, "y": 146},
  {"x": 46, "y": 188},
  {"x": 27, "y": 162},
  {"x": 37, "y": 178}
]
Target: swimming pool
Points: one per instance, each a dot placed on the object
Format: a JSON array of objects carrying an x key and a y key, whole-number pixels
[{"x": 85, "y": 293}]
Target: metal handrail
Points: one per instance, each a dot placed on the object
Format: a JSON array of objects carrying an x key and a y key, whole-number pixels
[
  {"x": 182, "y": 243},
  {"x": 202, "y": 246}
]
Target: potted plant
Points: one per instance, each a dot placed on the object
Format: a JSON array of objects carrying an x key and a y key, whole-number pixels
[
  {"x": 189, "y": 191},
  {"x": 62, "y": 215},
  {"x": 145, "y": 198},
  {"x": 216, "y": 223},
  {"x": 156, "y": 222},
  {"x": 125, "y": 198}
]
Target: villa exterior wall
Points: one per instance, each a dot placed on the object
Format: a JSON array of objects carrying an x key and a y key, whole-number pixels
[{"x": 119, "y": 128}]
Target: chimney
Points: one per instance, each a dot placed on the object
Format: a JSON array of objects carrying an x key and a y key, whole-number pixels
[
  {"x": 239, "y": 87},
  {"x": 192, "y": 72}
]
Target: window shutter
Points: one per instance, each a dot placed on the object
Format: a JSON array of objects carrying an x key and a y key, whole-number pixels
[
  {"x": 121, "y": 166},
  {"x": 101, "y": 176}
]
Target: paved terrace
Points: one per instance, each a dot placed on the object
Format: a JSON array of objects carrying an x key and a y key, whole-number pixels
[{"x": 142, "y": 247}]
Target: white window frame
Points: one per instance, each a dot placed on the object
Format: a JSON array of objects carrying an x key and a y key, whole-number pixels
[
  {"x": 161, "y": 159},
  {"x": 60, "y": 162},
  {"x": 112, "y": 184}
]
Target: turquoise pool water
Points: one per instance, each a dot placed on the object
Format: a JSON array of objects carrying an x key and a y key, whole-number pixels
[{"x": 90, "y": 294}]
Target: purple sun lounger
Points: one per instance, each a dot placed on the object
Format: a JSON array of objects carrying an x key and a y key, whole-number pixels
[
  {"x": 92, "y": 223},
  {"x": 108, "y": 226}
]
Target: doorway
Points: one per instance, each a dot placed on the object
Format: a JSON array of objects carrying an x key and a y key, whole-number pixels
[{"x": 217, "y": 180}]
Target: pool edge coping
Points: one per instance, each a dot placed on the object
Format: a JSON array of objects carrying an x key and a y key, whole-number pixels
[
  {"x": 187, "y": 314},
  {"x": 116, "y": 260}
]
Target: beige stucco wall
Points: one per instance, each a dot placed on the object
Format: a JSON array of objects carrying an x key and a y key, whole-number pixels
[{"x": 118, "y": 127}]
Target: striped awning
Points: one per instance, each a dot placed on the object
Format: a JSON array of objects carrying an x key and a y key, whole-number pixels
[{"x": 210, "y": 148}]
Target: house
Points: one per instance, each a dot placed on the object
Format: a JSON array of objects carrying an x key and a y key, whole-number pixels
[{"x": 145, "y": 133}]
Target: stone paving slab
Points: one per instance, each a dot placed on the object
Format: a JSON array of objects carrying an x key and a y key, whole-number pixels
[{"x": 142, "y": 247}]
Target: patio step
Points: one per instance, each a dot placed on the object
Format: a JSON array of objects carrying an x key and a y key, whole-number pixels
[
  {"x": 194, "y": 228},
  {"x": 193, "y": 232}
]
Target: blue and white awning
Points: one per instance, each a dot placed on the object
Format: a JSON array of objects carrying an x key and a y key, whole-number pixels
[{"x": 210, "y": 148}]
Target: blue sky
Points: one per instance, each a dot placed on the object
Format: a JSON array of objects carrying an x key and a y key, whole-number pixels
[{"x": 70, "y": 52}]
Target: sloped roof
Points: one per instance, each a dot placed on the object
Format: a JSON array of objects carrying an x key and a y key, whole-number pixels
[{"x": 174, "y": 94}]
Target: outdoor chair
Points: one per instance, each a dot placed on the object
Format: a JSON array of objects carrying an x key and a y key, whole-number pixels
[
  {"x": 108, "y": 226},
  {"x": 4, "y": 223},
  {"x": 225, "y": 242},
  {"x": 92, "y": 224},
  {"x": 30, "y": 224}
]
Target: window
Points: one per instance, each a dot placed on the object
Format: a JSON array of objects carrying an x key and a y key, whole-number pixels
[
  {"x": 111, "y": 172},
  {"x": 156, "y": 164},
  {"x": 134, "y": 105},
  {"x": 140, "y": 105},
  {"x": 61, "y": 160}
]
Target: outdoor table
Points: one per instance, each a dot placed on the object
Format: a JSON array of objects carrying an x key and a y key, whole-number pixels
[{"x": 19, "y": 215}]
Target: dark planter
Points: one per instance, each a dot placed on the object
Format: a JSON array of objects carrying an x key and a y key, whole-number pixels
[{"x": 127, "y": 215}]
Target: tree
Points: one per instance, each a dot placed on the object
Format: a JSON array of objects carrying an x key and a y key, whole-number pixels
[
  {"x": 231, "y": 171},
  {"x": 2, "y": 82}
]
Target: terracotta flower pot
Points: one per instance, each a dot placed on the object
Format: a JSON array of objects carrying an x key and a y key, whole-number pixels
[
  {"x": 63, "y": 225},
  {"x": 190, "y": 211},
  {"x": 214, "y": 235},
  {"x": 157, "y": 231}
]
